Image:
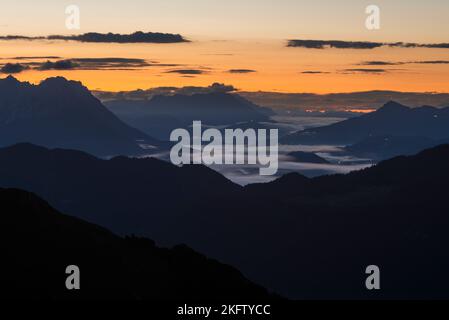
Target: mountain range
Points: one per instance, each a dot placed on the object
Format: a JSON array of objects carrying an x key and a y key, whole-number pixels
[
  {"x": 62, "y": 113},
  {"x": 163, "y": 113},
  {"x": 38, "y": 243},
  {"x": 313, "y": 237},
  {"x": 393, "y": 119},
  {"x": 384, "y": 147}
]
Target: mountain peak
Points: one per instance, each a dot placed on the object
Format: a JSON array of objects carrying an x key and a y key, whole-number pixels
[
  {"x": 393, "y": 106},
  {"x": 63, "y": 113},
  {"x": 11, "y": 78},
  {"x": 61, "y": 82},
  {"x": 10, "y": 81}
]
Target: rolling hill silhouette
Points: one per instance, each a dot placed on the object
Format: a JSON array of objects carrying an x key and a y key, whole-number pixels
[
  {"x": 305, "y": 238},
  {"x": 38, "y": 243},
  {"x": 62, "y": 113},
  {"x": 161, "y": 114},
  {"x": 393, "y": 119}
]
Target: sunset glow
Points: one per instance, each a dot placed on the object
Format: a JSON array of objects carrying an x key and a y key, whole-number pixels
[{"x": 216, "y": 48}]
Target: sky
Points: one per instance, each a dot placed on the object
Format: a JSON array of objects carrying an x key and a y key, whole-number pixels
[{"x": 246, "y": 34}]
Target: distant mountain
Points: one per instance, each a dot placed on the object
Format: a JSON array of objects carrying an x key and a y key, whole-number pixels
[
  {"x": 38, "y": 243},
  {"x": 385, "y": 147},
  {"x": 161, "y": 114},
  {"x": 301, "y": 237},
  {"x": 393, "y": 215},
  {"x": 307, "y": 157},
  {"x": 122, "y": 194},
  {"x": 364, "y": 100},
  {"x": 392, "y": 119},
  {"x": 62, "y": 113}
]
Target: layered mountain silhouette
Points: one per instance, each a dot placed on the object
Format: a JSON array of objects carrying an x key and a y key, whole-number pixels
[
  {"x": 393, "y": 119},
  {"x": 119, "y": 193},
  {"x": 62, "y": 113},
  {"x": 385, "y": 147},
  {"x": 163, "y": 113},
  {"x": 38, "y": 243},
  {"x": 304, "y": 238}
]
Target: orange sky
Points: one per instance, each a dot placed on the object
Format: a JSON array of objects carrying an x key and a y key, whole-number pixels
[
  {"x": 248, "y": 34},
  {"x": 278, "y": 68}
]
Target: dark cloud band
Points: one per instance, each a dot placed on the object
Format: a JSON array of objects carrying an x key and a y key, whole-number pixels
[
  {"x": 77, "y": 64},
  {"x": 11, "y": 68},
  {"x": 136, "y": 37},
  {"x": 390, "y": 63},
  {"x": 147, "y": 94},
  {"x": 241, "y": 71},
  {"x": 363, "y": 70},
  {"x": 187, "y": 71},
  {"x": 339, "y": 44},
  {"x": 314, "y": 72}
]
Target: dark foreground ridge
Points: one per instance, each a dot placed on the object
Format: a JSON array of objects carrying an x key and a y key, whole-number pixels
[
  {"x": 38, "y": 243},
  {"x": 303, "y": 238}
]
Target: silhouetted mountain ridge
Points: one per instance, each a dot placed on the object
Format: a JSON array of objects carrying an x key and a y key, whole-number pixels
[
  {"x": 164, "y": 113},
  {"x": 38, "y": 244},
  {"x": 385, "y": 147},
  {"x": 305, "y": 238},
  {"x": 63, "y": 113},
  {"x": 392, "y": 119}
]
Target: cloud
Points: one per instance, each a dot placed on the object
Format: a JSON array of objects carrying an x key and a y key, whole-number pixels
[
  {"x": 187, "y": 71},
  {"x": 433, "y": 62},
  {"x": 17, "y": 37},
  {"x": 362, "y": 70},
  {"x": 96, "y": 64},
  {"x": 314, "y": 72},
  {"x": 13, "y": 68},
  {"x": 322, "y": 44},
  {"x": 419, "y": 45},
  {"x": 136, "y": 37},
  {"x": 148, "y": 94},
  {"x": 35, "y": 58},
  {"x": 241, "y": 71},
  {"x": 389, "y": 63},
  {"x": 380, "y": 63},
  {"x": 102, "y": 63},
  {"x": 107, "y": 63},
  {"x": 220, "y": 87},
  {"x": 340, "y": 44},
  {"x": 59, "y": 65}
]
